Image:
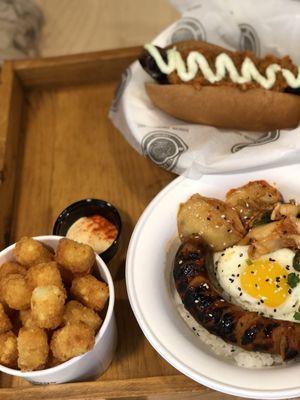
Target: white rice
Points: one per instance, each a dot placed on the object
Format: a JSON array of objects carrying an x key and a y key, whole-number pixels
[{"x": 233, "y": 353}]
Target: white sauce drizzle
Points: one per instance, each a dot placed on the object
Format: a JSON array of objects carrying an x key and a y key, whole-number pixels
[{"x": 224, "y": 64}]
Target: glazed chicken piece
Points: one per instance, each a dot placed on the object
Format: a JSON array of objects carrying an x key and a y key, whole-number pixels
[
  {"x": 212, "y": 219},
  {"x": 253, "y": 200},
  {"x": 273, "y": 236}
]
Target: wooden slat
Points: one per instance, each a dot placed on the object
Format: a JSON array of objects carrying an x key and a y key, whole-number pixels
[
  {"x": 129, "y": 388},
  {"x": 76, "y": 69},
  {"x": 11, "y": 100}
]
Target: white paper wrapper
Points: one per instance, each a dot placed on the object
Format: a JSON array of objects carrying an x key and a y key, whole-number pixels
[{"x": 271, "y": 26}]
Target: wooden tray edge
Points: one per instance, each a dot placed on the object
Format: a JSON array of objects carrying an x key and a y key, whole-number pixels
[
  {"x": 129, "y": 388},
  {"x": 11, "y": 102},
  {"x": 75, "y": 69}
]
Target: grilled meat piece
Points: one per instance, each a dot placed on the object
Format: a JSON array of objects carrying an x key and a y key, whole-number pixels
[{"x": 246, "y": 329}]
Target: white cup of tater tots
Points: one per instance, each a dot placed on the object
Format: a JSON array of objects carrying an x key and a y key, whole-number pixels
[{"x": 87, "y": 366}]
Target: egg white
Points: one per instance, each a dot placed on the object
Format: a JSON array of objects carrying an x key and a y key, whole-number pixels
[{"x": 228, "y": 267}]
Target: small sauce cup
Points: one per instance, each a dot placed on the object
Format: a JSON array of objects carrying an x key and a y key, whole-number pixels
[{"x": 88, "y": 208}]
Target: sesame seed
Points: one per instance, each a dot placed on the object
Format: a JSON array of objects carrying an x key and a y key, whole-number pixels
[
  {"x": 239, "y": 289},
  {"x": 274, "y": 310},
  {"x": 262, "y": 301},
  {"x": 278, "y": 286},
  {"x": 223, "y": 254},
  {"x": 238, "y": 274},
  {"x": 258, "y": 303},
  {"x": 271, "y": 259},
  {"x": 241, "y": 255},
  {"x": 241, "y": 294},
  {"x": 239, "y": 265},
  {"x": 231, "y": 280},
  {"x": 208, "y": 219},
  {"x": 287, "y": 267},
  {"x": 232, "y": 274},
  {"x": 277, "y": 279},
  {"x": 256, "y": 285},
  {"x": 252, "y": 272},
  {"x": 267, "y": 280},
  {"x": 289, "y": 291},
  {"x": 194, "y": 328}
]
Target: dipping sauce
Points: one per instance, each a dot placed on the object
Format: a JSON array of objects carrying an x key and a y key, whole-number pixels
[{"x": 96, "y": 231}]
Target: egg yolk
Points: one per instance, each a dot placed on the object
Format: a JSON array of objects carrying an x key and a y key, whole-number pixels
[{"x": 266, "y": 281}]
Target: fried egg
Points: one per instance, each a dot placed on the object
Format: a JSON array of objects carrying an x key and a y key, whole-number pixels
[{"x": 260, "y": 284}]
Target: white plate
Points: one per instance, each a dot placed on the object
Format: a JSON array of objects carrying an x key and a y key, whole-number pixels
[{"x": 148, "y": 276}]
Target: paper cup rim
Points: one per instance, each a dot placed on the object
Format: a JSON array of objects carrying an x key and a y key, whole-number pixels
[{"x": 102, "y": 268}]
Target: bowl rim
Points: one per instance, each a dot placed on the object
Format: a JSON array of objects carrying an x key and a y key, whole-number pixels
[{"x": 108, "y": 316}]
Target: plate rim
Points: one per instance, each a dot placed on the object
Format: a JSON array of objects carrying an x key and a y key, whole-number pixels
[{"x": 154, "y": 339}]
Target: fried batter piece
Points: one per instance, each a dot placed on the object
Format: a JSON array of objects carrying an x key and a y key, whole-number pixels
[
  {"x": 5, "y": 324},
  {"x": 44, "y": 274},
  {"x": 16, "y": 292},
  {"x": 29, "y": 252},
  {"x": 47, "y": 306},
  {"x": 76, "y": 312},
  {"x": 11, "y": 267},
  {"x": 27, "y": 319},
  {"x": 72, "y": 340},
  {"x": 75, "y": 257},
  {"x": 90, "y": 291},
  {"x": 8, "y": 349},
  {"x": 33, "y": 349}
]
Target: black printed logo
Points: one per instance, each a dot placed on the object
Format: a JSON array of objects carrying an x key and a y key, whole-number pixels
[
  {"x": 188, "y": 28},
  {"x": 163, "y": 148},
  {"x": 125, "y": 78},
  {"x": 264, "y": 139},
  {"x": 249, "y": 40}
]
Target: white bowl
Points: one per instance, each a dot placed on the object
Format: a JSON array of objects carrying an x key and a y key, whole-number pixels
[
  {"x": 149, "y": 284},
  {"x": 90, "y": 364}
]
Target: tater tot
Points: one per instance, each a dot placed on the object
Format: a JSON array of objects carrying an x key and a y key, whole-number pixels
[
  {"x": 76, "y": 312},
  {"x": 90, "y": 291},
  {"x": 8, "y": 349},
  {"x": 72, "y": 340},
  {"x": 44, "y": 274},
  {"x": 33, "y": 349},
  {"x": 11, "y": 267},
  {"x": 29, "y": 252},
  {"x": 7, "y": 268},
  {"x": 27, "y": 319},
  {"x": 16, "y": 292},
  {"x": 47, "y": 306},
  {"x": 5, "y": 324},
  {"x": 76, "y": 257}
]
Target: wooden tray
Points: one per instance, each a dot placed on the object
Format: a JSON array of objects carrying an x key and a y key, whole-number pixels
[{"x": 57, "y": 146}]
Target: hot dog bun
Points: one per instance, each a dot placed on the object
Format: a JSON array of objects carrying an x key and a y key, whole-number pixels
[
  {"x": 227, "y": 107},
  {"x": 224, "y": 106}
]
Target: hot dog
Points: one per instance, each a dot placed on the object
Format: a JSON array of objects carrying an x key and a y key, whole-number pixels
[
  {"x": 248, "y": 330},
  {"x": 203, "y": 83}
]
